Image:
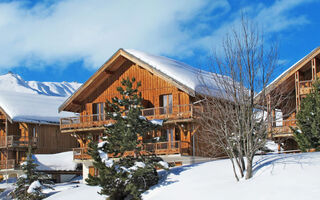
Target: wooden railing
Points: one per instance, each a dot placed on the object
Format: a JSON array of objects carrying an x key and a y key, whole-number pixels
[
  {"x": 98, "y": 120},
  {"x": 281, "y": 128},
  {"x": 17, "y": 141},
  {"x": 7, "y": 164},
  {"x": 158, "y": 148}
]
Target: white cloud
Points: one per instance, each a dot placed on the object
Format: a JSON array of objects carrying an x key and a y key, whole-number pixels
[
  {"x": 72, "y": 30},
  {"x": 272, "y": 19}
]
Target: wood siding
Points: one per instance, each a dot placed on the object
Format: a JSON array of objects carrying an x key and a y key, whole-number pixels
[
  {"x": 44, "y": 138},
  {"x": 151, "y": 88}
]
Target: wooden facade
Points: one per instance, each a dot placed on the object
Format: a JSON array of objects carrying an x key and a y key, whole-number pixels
[
  {"x": 16, "y": 137},
  {"x": 296, "y": 83},
  {"x": 164, "y": 98}
]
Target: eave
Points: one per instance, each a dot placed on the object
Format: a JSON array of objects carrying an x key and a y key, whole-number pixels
[{"x": 73, "y": 103}]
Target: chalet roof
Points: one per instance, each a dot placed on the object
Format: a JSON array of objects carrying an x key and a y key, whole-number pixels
[
  {"x": 33, "y": 101},
  {"x": 291, "y": 70},
  {"x": 32, "y": 108},
  {"x": 189, "y": 77},
  {"x": 55, "y": 162},
  {"x": 183, "y": 76}
]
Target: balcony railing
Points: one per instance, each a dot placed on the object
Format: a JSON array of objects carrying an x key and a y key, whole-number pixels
[
  {"x": 98, "y": 120},
  {"x": 281, "y": 128},
  {"x": 17, "y": 141},
  {"x": 159, "y": 148},
  {"x": 7, "y": 164}
]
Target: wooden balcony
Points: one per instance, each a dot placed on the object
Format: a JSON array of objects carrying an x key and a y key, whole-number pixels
[
  {"x": 159, "y": 148},
  {"x": 7, "y": 164},
  {"x": 281, "y": 128},
  {"x": 98, "y": 120},
  {"x": 17, "y": 141}
]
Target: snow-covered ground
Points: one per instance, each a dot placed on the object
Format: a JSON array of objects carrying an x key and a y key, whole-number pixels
[
  {"x": 288, "y": 176},
  {"x": 276, "y": 176},
  {"x": 74, "y": 192}
]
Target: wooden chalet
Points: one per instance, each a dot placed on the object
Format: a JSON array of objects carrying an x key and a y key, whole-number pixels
[
  {"x": 169, "y": 89},
  {"x": 295, "y": 83},
  {"x": 21, "y": 128}
]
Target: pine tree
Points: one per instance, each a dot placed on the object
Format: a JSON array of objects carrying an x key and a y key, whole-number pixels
[
  {"x": 127, "y": 176},
  {"x": 307, "y": 134},
  {"x": 29, "y": 185}
]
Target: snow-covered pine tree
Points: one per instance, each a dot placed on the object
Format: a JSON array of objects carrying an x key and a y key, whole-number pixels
[
  {"x": 29, "y": 185},
  {"x": 126, "y": 176},
  {"x": 307, "y": 134}
]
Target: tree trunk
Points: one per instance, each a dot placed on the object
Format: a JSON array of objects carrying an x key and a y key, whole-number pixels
[{"x": 249, "y": 168}]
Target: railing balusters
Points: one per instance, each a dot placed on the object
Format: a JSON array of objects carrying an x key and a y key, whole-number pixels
[{"x": 169, "y": 112}]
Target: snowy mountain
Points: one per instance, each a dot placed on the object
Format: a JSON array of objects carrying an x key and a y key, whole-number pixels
[
  {"x": 15, "y": 83},
  {"x": 34, "y": 101}
]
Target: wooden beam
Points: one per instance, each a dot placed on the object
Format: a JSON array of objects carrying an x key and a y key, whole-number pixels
[
  {"x": 314, "y": 69},
  {"x": 195, "y": 130},
  {"x": 108, "y": 72},
  {"x": 76, "y": 102},
  {"x": 297, "y": 90}
]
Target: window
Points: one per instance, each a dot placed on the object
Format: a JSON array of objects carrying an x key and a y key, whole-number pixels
[
  {"x": 98, "y": 111},
  {"x": 166, "y": 104},
  {"x": 168, "y": 135},
  {"x": 34, "y": 132}
]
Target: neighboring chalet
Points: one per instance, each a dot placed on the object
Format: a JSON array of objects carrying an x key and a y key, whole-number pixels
[
  {"x": 170, "y": 90},
  {"x": 28, "y": 119},
  {"x": 295, "y": 83}
]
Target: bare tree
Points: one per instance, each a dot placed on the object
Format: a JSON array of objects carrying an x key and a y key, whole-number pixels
[{"x": 234, "y": 121}]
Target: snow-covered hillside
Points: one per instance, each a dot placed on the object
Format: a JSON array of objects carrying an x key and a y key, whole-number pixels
[
  {"x": 15, "y": 83},
  {"x": 33, "y": 101},
  {"x": 276, "y": 177}
]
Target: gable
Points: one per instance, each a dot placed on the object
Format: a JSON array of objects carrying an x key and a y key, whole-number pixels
[
  {"x": 287, "y": 77},
  {"x": 152, "y": 87},
  {"x": 110, "y": 75}
]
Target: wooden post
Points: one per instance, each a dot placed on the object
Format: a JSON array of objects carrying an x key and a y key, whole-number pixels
[
  {"x": 313, "y": 68},
  {"x": 269, "y": 111},
  {"x": 273, "y": 117},
  {"x": 297, "y": 91}
]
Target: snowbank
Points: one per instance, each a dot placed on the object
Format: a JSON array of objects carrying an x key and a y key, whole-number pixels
[
  {"x": 75, "y": 192},
  {"x": 276, "y": 177},
  {"x": 59, "y": 161}
]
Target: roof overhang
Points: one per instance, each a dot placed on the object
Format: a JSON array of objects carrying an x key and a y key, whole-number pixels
[
  {"x": 290, "y": 71},
  {"x": 6, "y": 114},
  {"x": 74, "y": 102}
]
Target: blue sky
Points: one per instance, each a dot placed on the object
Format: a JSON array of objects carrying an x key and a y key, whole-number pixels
[{"x": 68, "y": 40}]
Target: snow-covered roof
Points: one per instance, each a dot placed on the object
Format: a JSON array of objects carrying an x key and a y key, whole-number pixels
[
  {"x": 55, "y": 162},
  {"x": 191, "y": 77},
  {"x": 31, "y": 101},
  {"x": 25, "y": 107}
]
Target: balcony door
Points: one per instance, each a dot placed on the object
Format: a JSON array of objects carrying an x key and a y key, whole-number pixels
[
  {"x": 166, "y": 104},
  {"x": 168, "y": 134},
  {"x": 98, "y": 111}
]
